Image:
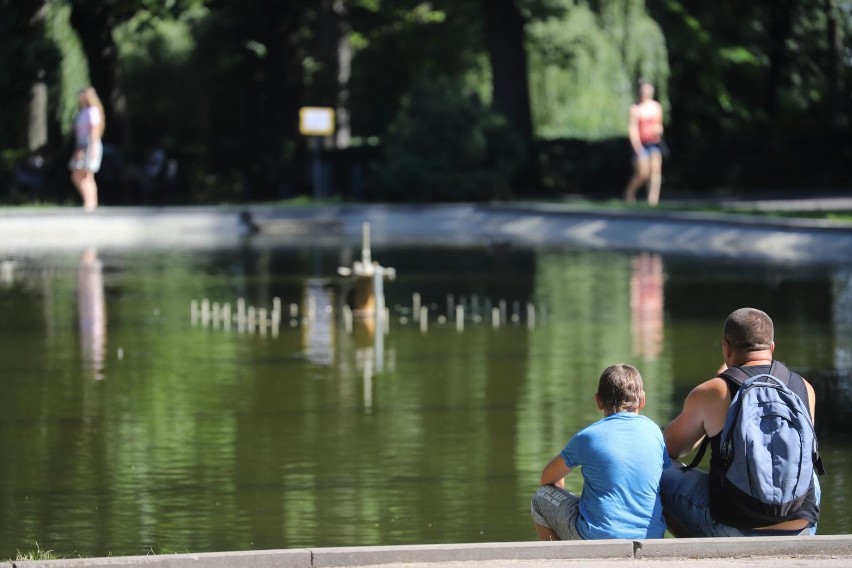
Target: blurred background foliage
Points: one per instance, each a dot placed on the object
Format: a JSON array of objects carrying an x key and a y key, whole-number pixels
[{"x": 435, "y": 101}]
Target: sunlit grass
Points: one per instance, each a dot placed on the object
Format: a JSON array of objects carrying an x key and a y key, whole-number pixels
[{"x": 37, "y": 554}]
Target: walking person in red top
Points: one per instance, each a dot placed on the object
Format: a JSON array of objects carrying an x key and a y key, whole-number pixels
[{"x": 646, "y": 131}]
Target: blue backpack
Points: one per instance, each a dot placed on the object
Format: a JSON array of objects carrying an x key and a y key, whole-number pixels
[{"x": 768, "y": 448}]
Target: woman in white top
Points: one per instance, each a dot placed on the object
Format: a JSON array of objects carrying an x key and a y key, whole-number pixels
[{"x": 88, "y": 150}]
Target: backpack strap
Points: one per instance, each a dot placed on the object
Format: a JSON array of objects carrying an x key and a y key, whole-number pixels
[
  {"x": 780, "y": 370},
  {"x": 700, "y": 455},
  {"x": 735, "y": 377}
]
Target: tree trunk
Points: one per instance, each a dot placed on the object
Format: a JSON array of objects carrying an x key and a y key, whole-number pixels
[
  {"x": 274, "y": 98},
  {"x": 779, "y": 28},
  {"x": 331, "y": 86},
  {"x": 37, "y": 123},
  {"x": 93, "y": 24},
  {"x": 504, "y": 37},
  {"x": 343, "y": 136},
  {"x": 834, "y": 65},
  {"x": 37, "y": 115}
]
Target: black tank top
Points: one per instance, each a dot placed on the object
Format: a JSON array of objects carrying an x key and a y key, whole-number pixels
[{"x": 729, "y": 511}]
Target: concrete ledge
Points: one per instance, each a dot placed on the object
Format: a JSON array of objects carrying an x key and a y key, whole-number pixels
[
  {"x": 295, "y": 558},
  {"x": 820, "y": 545},
  {"x": 298, "y": 227},
  {"x": 663, "y": 550},
  {"x": 374, "y": 555}
]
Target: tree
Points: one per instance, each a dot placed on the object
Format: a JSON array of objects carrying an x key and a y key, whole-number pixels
[
  {"x": 754, "y": 87},
  {"x": 29, "y": 61},
  {"x": 505, "y": 41},
  {"x": 38, "y": 115},
  {"x": 779, "y": 28},
  {"x": 94, "y": 22},
  {"x": 585, "y": 61},
  {"x": 505, "y": 38},
  {"x": 334, "y": 57},
  {"x": 834, "y": 64},
  {"x": 445, "y": 145}
]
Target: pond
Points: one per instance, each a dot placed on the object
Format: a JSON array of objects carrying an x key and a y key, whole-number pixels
[{"x": 131, "y": 425}]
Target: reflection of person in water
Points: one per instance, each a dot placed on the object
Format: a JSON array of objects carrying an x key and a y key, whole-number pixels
[
  {"x": 92, "y": 313},
  {"x": 646, "y": 305}
]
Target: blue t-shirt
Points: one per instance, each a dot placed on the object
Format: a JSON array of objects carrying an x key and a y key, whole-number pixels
[{"x": 622, "y": 457}]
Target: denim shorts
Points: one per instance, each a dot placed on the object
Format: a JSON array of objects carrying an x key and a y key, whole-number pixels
[
  {"x": 648, "y": 148},
  {"x": 686, "y": 505},
  {"x": 557, "y": 510}
]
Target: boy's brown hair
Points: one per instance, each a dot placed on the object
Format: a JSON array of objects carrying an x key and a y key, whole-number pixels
[{"x": 620, "y": 389}]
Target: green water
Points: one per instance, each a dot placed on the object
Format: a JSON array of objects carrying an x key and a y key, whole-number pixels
[{"x": 126, "y": 429}]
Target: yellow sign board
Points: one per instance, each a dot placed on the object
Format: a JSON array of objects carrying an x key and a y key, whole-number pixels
[{"x": 316, "y": 121}]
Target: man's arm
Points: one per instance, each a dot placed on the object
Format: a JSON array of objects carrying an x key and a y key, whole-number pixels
[
  {"x": 811, "y": 400},
  {"x": 684, "y": 433},
  {"x": 554, "y": 472}
]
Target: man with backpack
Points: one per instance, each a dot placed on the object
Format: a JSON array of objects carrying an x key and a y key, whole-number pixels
[{"x": 757, "y": 417}]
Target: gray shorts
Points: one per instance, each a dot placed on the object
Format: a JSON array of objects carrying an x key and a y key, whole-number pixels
[
  {"x": 89, "y": 160},
  {"x": 557, "y": 510}
]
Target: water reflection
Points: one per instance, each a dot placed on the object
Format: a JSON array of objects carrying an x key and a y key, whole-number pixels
[
  {"x": 91, "y": 310},
  {"x": 7, "y": 273},
  {"x": 646, "y": 305},
  {"x": 842, "y": 318},
  {"x": 318, "y": 324},
  {"x": 213, "y": 440}
]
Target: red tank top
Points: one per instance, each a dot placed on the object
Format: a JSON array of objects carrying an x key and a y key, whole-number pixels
[{"x": 649, "y": 128}]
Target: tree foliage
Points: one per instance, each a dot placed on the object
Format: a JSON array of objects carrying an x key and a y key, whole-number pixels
[
  {"x": 446, "y": 145},
  {"x": 219, "y": 84},
  {"x": 586, "y": 59},
  {"x": 757, "y": 86}
]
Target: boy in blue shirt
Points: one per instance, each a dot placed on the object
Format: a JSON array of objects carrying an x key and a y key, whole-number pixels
[{"x": 622, "y": 457}]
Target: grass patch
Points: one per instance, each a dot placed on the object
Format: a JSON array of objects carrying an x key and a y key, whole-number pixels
[{"x": 37, "y": 554}]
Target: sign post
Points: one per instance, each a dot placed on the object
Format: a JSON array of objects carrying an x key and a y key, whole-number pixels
[{"x": 317, "y": 123}]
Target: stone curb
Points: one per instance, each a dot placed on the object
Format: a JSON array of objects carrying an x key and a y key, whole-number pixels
[
  {"x": 376, "y": 555},
  {"x": 674, "y": 549},
  {"x": 820, "y": 545},
  {"x": 296, "y": 558}
]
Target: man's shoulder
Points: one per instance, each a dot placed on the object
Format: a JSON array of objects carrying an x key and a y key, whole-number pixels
[
  {"x": 710, "y": 399},
  {"x": 716, "y": 387}
]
